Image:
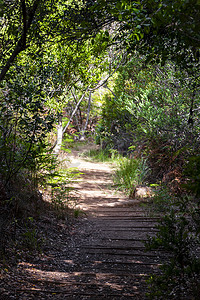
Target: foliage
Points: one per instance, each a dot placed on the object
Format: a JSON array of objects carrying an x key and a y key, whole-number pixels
[
  {"x": 102, "y": 155},
  {"x": 30, "y": 236},
  {"x": 60, "y": 188},
  {"x": 156, "y": 110},
  {"x": 130, "y": 173},
  {"x": 25, "y": 123},
  {"x": 55, "y": 54},
  {"x": 192, "y": 171},
  {"x": 173, "y": 31},
  {"x": 32, "y": 99},
  {"x": 161, "y": 29},
  {"x": 142, "y": 25},
  {"x": 162, "y": 200},
  {"x": 27, "y": 26},
  {"x": 116, "y": 126},
  {"x": 178, "y": 235}
]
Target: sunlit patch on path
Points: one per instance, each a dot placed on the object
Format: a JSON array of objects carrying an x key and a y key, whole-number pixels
[{"x": 103, "y": 255}]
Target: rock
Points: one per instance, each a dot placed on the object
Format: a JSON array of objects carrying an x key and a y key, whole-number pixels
[{"x": 141, "y": 191}]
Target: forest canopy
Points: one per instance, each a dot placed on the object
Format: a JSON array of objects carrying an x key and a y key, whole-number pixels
[{"x": 167, "y": 28}]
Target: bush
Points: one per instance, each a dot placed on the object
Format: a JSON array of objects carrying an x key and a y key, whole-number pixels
[
  {"x": 192, "y": 171},
  {"x": 162, "y": 200},
  {"x": 178, "y": 235}
]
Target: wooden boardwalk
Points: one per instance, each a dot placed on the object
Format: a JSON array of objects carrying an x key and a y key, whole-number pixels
[{"x": 105, "y": 258}]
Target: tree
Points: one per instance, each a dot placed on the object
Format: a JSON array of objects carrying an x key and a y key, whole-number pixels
[
  {"x": 26, "y": 24},
  {"x": 149, "y": 108},
  {"x": 17, "y": 20},
  {"x": 28, "y": 28},
  {"x": 25, "y": 118},
  {"x": 91, "y": 73},
  {"x": 168, "y": 28},
  {"x": 174, "y": 32}
]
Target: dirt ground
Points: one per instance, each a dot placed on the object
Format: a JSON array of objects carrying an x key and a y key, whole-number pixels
[{"x": 99, "y": 255}]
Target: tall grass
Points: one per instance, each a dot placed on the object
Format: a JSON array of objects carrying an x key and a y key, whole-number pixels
[
  {"x": 102, "y": 155},
  {"x": 130, "y": 172}
]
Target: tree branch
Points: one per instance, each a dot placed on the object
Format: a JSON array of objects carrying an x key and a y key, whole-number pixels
[
  {"x": 75, "y": 110},
  {"x": 110, "y": 75},
  {"x": 21, "y": 45}
]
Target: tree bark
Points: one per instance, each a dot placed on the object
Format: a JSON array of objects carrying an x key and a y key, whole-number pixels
[
  {"x": 58, "y": 142},
  {"x": 59, "y": 136},
  {"x": 75, "y": 110},
  {"x": 87, "y": 119}
]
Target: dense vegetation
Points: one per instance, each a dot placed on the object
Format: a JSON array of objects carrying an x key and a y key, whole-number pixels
[
  {"x": 153, "y": 111},
  {"x": 130, "y": 66}
]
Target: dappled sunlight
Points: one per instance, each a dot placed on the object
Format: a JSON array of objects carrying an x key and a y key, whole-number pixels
[
  {"x": 94, "y": 186},
  {"x": 105, "y": 203},
  {"x": 39, "y": 277},
  {"x": 114, "y": 286},
  {"x": 53, "y": 275},
  {"x": 101, "y": 253},
  {"x": 82, "y": 165},
  {"x": 98, "y": 181},
  {"x": 90, "y": 281}
]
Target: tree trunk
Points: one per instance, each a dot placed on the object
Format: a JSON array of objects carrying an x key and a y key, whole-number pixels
[
  {"x": 75, "y": 110},
  {"x": 61, "y": 130},
  {"x": 87, "y": 119},
  {"x": 59, "y": 136}
]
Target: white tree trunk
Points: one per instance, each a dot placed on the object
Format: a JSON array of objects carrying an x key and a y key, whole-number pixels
[
  {"x": 82, "y": 137},
  {"x": 59, "y": 136}
]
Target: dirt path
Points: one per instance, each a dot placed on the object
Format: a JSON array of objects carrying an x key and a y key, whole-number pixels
[
  {"x": 111, "y": 251},
  {"x": 102, "y": 257}
]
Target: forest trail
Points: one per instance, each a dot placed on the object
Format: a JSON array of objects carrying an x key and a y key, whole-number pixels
[
  {"x": 103, "y": 256},
  {"x": 113, "y": 260}
]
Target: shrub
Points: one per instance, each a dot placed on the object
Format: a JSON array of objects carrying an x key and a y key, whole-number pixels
[
  {"x": 192, "y": 171},
  {"x": 178, "y": 235}
]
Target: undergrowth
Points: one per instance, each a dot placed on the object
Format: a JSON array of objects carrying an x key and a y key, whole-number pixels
[
  {"x": 60, "y": 188},
  {"x": 102, "y": 155},
  {"x": 130, "y": 173},
  {"x": 162, "y": 199},
  {"x": 178, "y": 235},
  {"x": 30, "y": 194}
]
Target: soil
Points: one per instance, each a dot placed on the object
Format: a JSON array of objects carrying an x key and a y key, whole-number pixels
[{"x": 98, "y": 255}]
